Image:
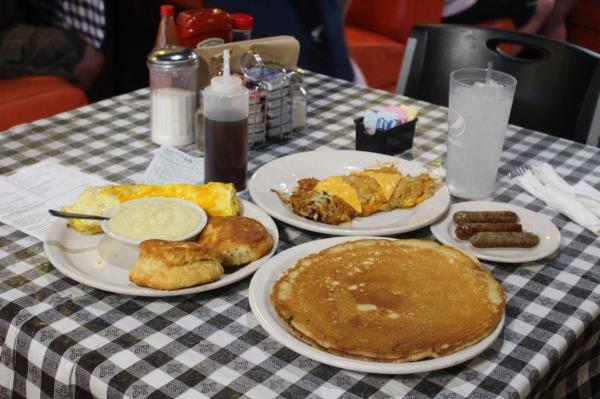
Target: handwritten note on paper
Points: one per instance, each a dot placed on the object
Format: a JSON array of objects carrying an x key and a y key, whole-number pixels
[
  {"x": 171, "y": 165},
  {"x": 27, "y": 194}
]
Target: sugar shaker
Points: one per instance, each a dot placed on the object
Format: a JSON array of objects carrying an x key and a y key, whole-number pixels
[{"x": 173, "y": 95}]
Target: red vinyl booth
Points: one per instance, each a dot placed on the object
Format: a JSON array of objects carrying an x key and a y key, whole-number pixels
[
  {"x": 33, "y": 97},
  {"x": 376, "y": 34}
]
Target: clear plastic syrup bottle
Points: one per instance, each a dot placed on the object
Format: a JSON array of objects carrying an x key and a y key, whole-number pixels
[{"x": 225, "y": 123}]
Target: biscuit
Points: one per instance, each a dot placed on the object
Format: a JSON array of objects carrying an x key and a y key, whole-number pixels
[
  {"x": 171, "y": 265},
  {"x": 238, "y": 239}
]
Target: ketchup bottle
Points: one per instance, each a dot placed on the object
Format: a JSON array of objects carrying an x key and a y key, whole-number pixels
[
  {"x": 242, "y": 26},
  {"x": 167, "y": 30}
]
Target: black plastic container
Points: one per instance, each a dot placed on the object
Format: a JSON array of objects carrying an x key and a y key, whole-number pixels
[{"x": 390, "y": 142}]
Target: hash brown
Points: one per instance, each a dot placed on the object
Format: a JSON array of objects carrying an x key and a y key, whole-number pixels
[{"x": 389, "y": 300}]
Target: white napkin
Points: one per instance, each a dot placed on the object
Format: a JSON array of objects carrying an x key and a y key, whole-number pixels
[
  {"x": 587, "y": 195},
  {"x": 546, "y": 173},
  {"x": 560, "y": 200},
  {"x": 584, "y": 189}
]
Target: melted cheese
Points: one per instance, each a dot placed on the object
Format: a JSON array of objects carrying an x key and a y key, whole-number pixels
[
  {"x": 336, "y": 185},
  {"x": 387, "y": 181}
]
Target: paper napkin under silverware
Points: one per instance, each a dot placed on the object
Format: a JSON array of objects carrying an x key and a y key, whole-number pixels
[{"x": 544, "y": 183}]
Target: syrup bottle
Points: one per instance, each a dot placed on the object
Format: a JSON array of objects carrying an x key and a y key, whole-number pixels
[{"x": 225, "y": 123}]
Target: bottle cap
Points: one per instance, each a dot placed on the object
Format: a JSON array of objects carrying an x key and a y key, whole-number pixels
[
  {"x": 226, "y": 84},
  {"x": 242, "y": 21},
  {"x": 172, "y": 57},
  {"x": 167, "y": 10}
]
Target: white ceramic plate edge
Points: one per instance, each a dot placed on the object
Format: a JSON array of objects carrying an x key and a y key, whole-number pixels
[
  {"x": 260, "y": 304},
  {"x": 149, "y": 292}
]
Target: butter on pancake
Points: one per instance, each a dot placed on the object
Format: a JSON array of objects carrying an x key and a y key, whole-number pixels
[
  {"x": 238, "y": 239},
  {"x": 389, "y": 300}
]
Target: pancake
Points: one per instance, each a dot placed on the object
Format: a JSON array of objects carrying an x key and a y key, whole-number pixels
[
  {"x": 238, "y": 239},
  {"x": 389, "y": 301}
]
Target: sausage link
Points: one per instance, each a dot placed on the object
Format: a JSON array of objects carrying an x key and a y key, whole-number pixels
[
  {"x": 463, "y": 217},
  {"x": 504, "y": 239},
  {"x": 465, "y": 231}
]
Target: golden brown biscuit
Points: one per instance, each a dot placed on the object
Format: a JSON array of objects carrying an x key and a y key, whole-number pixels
[
  {"x": 171, "y": 265},
  {"x": 240, "y": 240}
]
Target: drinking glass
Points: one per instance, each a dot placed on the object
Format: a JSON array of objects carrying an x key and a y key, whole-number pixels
[{"x": 478, "y": 112}]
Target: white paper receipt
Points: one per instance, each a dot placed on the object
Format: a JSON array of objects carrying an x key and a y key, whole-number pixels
[
  {"x": 171, "y": 165},
  {"x": 27, "y": 194}
]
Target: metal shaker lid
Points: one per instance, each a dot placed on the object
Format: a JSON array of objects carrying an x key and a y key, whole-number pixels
[{"x": 172, "y": 57}]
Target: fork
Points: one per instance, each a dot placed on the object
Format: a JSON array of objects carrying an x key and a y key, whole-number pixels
[{"x": 519, "y": 171}]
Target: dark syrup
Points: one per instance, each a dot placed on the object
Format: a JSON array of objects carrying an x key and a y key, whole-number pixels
[{"x": 226, "y": 152}]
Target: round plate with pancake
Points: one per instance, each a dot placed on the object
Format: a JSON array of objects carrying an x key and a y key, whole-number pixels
[
  {"x": 532, "y": 222},
  {"x": 102, "y": 262},
  {"x": 283, "y": 173},
  {"x": 262, "y": 308}
]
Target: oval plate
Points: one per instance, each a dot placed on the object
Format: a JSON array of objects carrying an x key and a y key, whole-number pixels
[
  {"x": 102, "y": 262},
  {"x": 283, "y": 173}
]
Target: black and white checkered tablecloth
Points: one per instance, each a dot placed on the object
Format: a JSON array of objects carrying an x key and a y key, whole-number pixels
[{"x": 60, "y": 338}]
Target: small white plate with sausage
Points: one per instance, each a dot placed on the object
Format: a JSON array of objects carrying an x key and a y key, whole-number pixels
[{"x": 528, "y": 237}]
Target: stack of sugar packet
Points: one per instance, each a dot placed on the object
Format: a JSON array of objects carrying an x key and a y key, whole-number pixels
[
  {"x": 387, "y": 118},
  {"x": 579, "y": 202}
]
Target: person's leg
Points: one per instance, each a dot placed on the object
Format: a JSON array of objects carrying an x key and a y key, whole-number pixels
[
  {"x": 555, "y": 26},
  {"x": 89, "y": 67},
  {"x": 543, "y": 9}
]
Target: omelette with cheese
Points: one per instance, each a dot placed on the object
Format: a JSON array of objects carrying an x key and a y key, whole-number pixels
[
  {"x": 338, "y": 199},
  {"x": 217, "y": 199}
]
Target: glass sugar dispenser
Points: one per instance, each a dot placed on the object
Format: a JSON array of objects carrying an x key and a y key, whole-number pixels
[{"x": 173, "y": 95}]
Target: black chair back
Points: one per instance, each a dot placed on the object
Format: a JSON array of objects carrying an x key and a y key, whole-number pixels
[{"x": 558, "y": 84}]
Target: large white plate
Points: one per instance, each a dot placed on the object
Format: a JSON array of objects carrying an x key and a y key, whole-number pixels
[
  {"x": 102, "y": 262},
  {"x": 532, "y": 222},
  {"x": 283, "y": 173},
  {"x": 260, "y": 290}
]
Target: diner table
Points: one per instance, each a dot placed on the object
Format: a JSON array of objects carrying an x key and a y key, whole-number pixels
[{"x": 60, "y": 338}]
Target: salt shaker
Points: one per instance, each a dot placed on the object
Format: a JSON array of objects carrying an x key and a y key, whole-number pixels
[
  {"x": 173, "y": 95},
  {"x": 299, "y": 99}
]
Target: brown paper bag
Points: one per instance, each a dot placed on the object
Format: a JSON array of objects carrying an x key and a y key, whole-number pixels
[{"x": 282, "y": 50}]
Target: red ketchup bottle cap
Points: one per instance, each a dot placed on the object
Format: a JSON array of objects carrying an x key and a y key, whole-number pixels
[
  {"x": 242, "y": 21},
  {"x": 167, "y": 10}
]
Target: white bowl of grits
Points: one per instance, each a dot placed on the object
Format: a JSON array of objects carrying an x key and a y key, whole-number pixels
[{"x": 149, "y": 218}]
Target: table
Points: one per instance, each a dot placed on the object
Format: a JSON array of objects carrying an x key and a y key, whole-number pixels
[{"x": 60, "y": 338}]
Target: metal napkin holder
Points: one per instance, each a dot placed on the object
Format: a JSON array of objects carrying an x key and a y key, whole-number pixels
[{"x": 270, "y": 86}]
